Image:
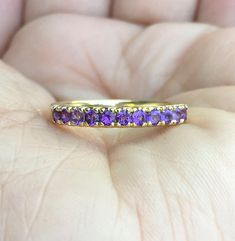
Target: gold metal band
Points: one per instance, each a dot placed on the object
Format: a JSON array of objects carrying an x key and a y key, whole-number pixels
[{"x": 118, "y": 113}]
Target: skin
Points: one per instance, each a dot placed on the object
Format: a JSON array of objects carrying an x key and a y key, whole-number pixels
[{"x": 161, "y": 184}]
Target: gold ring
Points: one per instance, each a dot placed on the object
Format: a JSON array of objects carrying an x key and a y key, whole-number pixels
[{"x": 118, "y": 113}]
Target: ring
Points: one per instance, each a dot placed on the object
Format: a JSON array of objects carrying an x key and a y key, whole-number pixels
[{"x": 118, "y": 113}]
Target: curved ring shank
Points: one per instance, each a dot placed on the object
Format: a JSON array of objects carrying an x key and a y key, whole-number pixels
[{"x": 118, "y": 113}]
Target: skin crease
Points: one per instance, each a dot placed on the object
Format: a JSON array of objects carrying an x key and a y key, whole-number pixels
[{"x": 161, "y": 184}]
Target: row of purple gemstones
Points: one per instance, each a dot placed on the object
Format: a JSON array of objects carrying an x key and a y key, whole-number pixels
[{"x": 123, "y": 117}]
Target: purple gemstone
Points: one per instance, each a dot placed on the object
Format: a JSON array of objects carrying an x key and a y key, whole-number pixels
[
  {"x": 139, "y": 117},
  {"x": 107, "y": 118},
  {"x": 183, "y": 114},
  {"x": 77, "y": 117},
  {"x": 167, "y": 116},
  {"x": 154, "y": 117},
  {"x": 91, "y": 117},
  {"x": 56, "y": 115},
  {"x": 177, "y": 115},
  {"x": 65, "y": 116},
  {"x": 123, "y": 117}
]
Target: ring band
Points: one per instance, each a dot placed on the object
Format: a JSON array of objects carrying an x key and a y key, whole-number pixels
[{"x": 118, "y": 113}]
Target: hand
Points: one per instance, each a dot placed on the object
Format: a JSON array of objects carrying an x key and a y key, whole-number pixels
[{"x": 60, "y": 184}]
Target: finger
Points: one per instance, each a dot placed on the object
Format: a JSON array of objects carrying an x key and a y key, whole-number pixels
[
  {"x": 152, "y": 11},
  {"x": 10, "y": 12},
  {"x": 84, "y": 65},
  {"x": 35, "y": 8},
  {"x": 218, "y": 12},
  {"x": 215, "y": 97},
  {"x": 208, "y": 63},
  {"x": 16, "y": 93},
  {"x": 102, "y": 57}
]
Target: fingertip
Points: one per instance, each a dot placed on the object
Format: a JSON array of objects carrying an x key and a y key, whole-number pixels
[
  {"x": 217, "y": 12},
  {"x": 153, "y": 11},
  {"x": 10, "y": 12},
  {"x": 35, "y": 9}
]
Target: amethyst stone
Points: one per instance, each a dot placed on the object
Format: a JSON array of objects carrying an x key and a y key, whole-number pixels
[
  {"x": 154, "y": 117},
  {"x": 139, "y": 117},
  {"x": 91, "y": 117},
  {"x": 65, "y": 116},
  {"x": 56, "y": 115},
  {"x": 167, "y": 116},
  {"x": 177, "y": 115},
  {"x": 107, "y": 118},
  {"x": 123, "y": 117},
  {"x": 77, "y": 117},
  {"x": 184, "y": 114}
]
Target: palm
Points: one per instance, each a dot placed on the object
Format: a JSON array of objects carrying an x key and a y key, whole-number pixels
[{"x": 85, "y": 184}]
